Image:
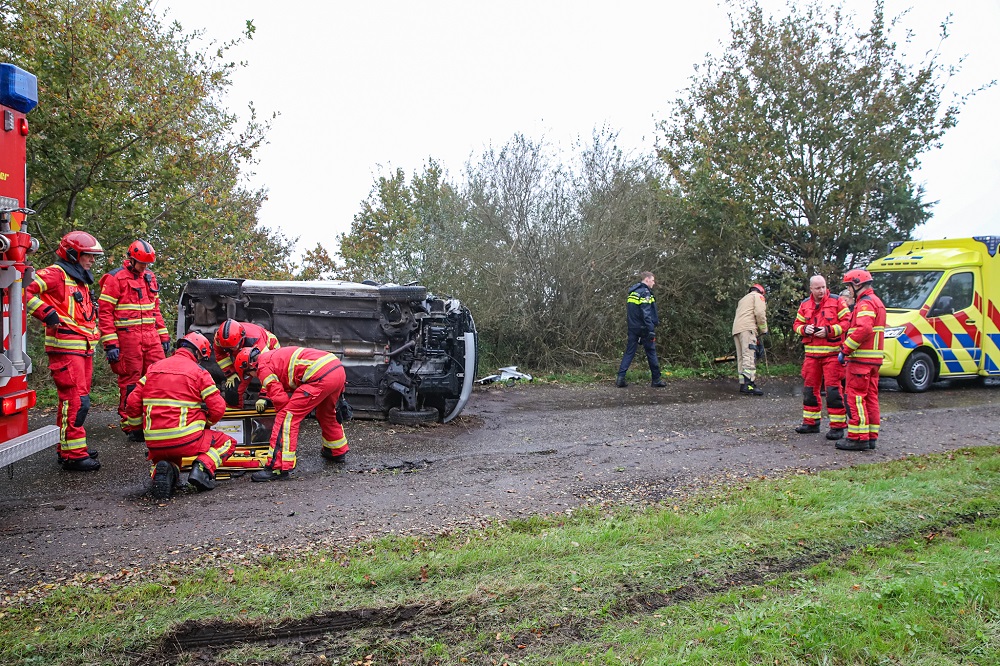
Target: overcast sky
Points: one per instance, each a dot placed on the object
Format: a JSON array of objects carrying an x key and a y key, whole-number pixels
[{"x": 363, "y": 88}]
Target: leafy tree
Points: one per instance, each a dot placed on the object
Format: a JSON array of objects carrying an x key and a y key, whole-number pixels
[
  {"x": 795, "y": 149},
  {"x": 129, "y": 140},
  {"x": 317, "y": 265}
]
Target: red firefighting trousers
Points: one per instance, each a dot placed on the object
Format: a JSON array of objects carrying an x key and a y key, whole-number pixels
[
  {"x": 322, "y": 396},
  {"x": 862, "y": 396},
  {"x": 71, "y": 373},
  {"x": 816, "y": 373},
  {"x": 211, "y": 447},
  {"x": 140, "y": 348}
]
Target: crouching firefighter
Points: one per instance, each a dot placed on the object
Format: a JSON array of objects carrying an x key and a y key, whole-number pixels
[
  {"x": 231, "y": 337},
  {"x": 822, "y": 320},
  {"x": 175, "y": 403},
  {"x": 61, "y": 296},
  {"x": 296, "y": 380}
]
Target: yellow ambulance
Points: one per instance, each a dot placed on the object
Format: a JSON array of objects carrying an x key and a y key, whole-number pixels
[{"x": 942, "y": 303}]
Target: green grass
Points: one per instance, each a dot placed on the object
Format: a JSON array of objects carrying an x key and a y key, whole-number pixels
[{"x": 895, "y": 563}]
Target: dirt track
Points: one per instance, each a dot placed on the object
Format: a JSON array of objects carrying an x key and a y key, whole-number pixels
[{"x": 514, "y": 451}]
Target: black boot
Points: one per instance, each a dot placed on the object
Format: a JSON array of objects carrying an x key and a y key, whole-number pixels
[
  {"x": 747, "y": 388},
  {"x": 835, "y": 433},
  {"x": 164, "y": 480},
  {"x": 136, "y": 436},
  {"x": 87, "y": 464},
  {"x": 268, "y": 474},
  {"x": 200, "y": 477},
  {"x": 328, "y": 454},
  {"x": 620, "y": 381},
  {"x": 851, "y": 445},
  {"x": 806, "y": 428},
  {"x": 658, "y": 383}
]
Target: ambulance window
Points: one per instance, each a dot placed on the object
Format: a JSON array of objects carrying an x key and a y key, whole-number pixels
[{"x": 956, "y": 295}]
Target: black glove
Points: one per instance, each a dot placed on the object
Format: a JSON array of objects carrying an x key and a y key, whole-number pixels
[
  {"x": 112, "y": 354},
  {"x": 166, "y": 348},
  {"x": 52, "y": 319},
  {"x": 344, "y": 410}
]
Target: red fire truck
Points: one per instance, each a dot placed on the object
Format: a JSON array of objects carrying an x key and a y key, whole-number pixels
[{"x": 18, "y": 96}]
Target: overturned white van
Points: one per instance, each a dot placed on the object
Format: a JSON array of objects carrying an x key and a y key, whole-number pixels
[{"x": 410, "y": 356}]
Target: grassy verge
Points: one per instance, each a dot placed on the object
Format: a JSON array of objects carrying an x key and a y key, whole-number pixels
[{"x": 882, "y": 564}]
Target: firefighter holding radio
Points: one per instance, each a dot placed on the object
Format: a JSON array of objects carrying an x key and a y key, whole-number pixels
[{"x": 176, "y": 402}]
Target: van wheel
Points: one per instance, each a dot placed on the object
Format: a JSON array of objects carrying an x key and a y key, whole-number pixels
[
  {"x": 399, "y": 416},
  {"x": 208, "y": 287},
  {"x": 917, "y": 374},
  {"x": 402, "y": 294}
]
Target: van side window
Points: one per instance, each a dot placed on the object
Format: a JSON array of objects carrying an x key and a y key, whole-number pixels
[{"x": 955, "y": 296}]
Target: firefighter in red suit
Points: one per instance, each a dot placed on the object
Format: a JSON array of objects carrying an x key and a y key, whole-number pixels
[
  {"x": 233, "y": 336},
  {"x": 296, "y": 380},
  {"x": 862, "y": 352},
  {"x": 822, "y": 320},
  {"x": 175, "y": 403},
  {"x": 61, "y": 296},
  {"x": 133, "y": 332}
]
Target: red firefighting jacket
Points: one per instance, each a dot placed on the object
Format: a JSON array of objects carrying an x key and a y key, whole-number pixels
[
  {"x": 131, "y": 302},
  {"x": 281, "y": 371},
  {"x": 175, "y": 401},
  {"x": 256, "y": 336},
  {"x": 865, "y": 337},
  {"x": 57, "y": 288},
  {"x": 831, "y": 313}
]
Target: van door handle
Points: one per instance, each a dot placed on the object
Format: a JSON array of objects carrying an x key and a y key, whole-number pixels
[{"x": 970, "y": 321}]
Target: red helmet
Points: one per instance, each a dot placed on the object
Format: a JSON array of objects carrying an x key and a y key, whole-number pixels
[
  {"x": 857, "y": 277},
  {"x": 141, "y": 251},
  {"x": 76, "y": 243},
  {"x": 197, "y": 342},
  {"x": 760, "y": 288},
  {"x": 246, "y": 360},
  {"x": 230, "y": 335}
]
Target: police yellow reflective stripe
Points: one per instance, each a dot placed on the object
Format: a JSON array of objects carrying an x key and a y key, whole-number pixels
[{"x": 634, "y": 299}]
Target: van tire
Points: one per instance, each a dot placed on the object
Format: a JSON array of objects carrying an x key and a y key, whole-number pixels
[
  {"x": 212, "y": 288},
  {"x": 401, "y": 294},
  {"x": 399, "y": 416},
  {"x": 917, "y": 374}
]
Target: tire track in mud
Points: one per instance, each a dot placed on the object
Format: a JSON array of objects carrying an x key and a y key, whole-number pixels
[{"x": 206, "y": 638}]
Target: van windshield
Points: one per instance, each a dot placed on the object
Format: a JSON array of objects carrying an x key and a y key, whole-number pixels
[{"x": 905, "y": 290}]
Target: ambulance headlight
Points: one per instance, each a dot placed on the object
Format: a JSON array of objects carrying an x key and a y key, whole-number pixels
[{"x": 894, "y": 332}]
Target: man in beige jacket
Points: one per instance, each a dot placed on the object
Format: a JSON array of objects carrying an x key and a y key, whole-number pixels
[{"x": 751, "y": 318}]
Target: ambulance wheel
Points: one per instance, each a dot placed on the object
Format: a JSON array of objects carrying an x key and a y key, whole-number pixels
[{"x": 917, "y": 374}]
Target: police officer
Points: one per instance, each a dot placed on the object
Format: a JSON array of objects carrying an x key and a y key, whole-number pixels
[{"x": 642, "y": 317}]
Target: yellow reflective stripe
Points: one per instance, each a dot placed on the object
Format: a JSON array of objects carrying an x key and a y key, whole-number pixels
[
  {"x": 865, "y": 313},
  {"x": 138, "y": 307},
  {"x": 264, "y": 383},
  {"x": 867, "y": 353},
  {"x": 190, "y": 429},
  {"x": 821, "y": 349},
  {"x": 168, "y": 402},
  {"x": 292, "y": 362},
  {"x": 287, "y": 455},
  {"x": 109, "y": 338},
  {"x": 851, "y": 343},
  {"x": 108, "y": 299},
  {"x": 318, "y": 365},
  {"x": 134, "y": 421},
  {"x": 72, "y": 344},
  {"x": 207, "y": 391},
  {"x": 225, "y": 364},
  {"x": 161, "y": 332}
]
